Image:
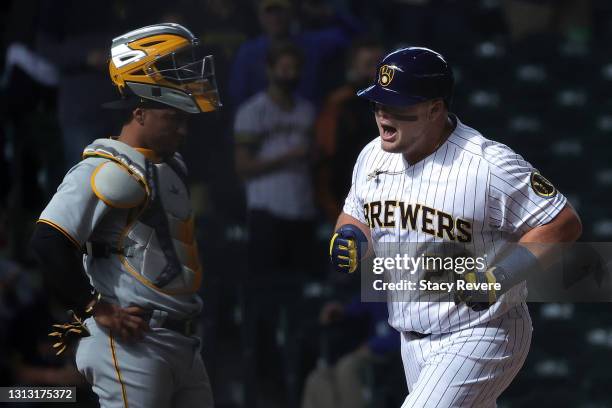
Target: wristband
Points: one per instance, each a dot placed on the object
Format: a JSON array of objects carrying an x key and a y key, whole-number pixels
[{"x": 516, "y": 267}]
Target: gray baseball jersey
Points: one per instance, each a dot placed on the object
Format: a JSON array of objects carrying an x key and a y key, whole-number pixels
[
  {"x": 76, "y": 210},
  {"x": 107, "y": 199}
]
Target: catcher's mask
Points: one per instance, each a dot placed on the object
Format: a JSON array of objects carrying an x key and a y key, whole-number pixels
[{"x": 163, "y": 64}]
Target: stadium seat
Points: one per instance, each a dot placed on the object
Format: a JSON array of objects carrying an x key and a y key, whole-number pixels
[
  {"x": 487, "y": 64},
  {"x": 602, "y": 229}
]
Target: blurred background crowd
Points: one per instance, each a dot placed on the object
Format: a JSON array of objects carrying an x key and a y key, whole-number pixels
[{"x": 270, "y": 170}]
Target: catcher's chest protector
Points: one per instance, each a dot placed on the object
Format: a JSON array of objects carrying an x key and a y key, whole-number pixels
[{"x": 157, "y": 246}]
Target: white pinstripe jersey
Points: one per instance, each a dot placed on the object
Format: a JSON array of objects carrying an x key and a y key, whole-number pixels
[{"x": 471, "y": 190}]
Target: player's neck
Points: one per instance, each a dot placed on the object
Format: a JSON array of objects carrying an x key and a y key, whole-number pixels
[
  {"x": 135, "y": 140},
  {"x": 440, "y": 135},
  {"x": 285, "y": 100},
  {"x": 130, "y": 137}
]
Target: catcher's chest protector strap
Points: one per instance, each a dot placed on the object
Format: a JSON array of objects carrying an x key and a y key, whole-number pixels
[
  {"x": 176, "y": 163},
  {"x": 153, "y": 215},
  {"x": 133, "y": 161}
]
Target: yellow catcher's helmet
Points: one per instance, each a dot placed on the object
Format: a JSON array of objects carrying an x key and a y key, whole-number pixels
[{"x": 163, "y": 63}]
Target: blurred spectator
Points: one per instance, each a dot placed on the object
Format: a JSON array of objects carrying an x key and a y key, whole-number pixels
[
  {"x": 273, "y": 143},
  {"x": 273, "y": 131},
  {"x": 9, "y": 273},
  {"x": 32, "y": 359},
  {"x": 26, "y": 316},
  {"x": 221, "y": 26},
  {"x": 225, "y": 24},
  {"x": 345, "y": 379},
  {"x": 567, "y": 18},
  {"x": 4, "y": 233},
  {"x": 30, "y": 137},
  {"x": 344, "y": 126},
  {"x": 5, "y": 179},
  {"x": 77, "y": 43},
  {"x": 318, "y": 46}
]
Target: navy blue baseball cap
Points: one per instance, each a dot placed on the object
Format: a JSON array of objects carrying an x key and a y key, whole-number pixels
[{"x": 409, "y": 76}]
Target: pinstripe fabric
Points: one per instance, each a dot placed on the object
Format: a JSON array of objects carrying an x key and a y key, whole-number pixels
[
  {"x": 468, "y": 177},
  {"x": 468, "y": 368},
  {"x": 469, "y": 357}
]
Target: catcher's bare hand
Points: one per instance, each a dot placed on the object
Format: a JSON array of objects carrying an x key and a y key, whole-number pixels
[{"x": 128, "y": 323}]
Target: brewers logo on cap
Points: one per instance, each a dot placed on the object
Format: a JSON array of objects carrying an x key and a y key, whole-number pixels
[{"x": 385, "y": 75}]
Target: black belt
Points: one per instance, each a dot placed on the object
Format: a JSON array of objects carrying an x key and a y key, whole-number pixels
[
  {"x": 104, "y": 250},
  {"x": 187, "y": 327}
]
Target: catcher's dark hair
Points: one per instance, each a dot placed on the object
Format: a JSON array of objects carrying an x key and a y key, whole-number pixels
[
  {"x": 280, "y": 50},
  {"x": 125, "y": 116},
  {"x": 124, "y": 109}
]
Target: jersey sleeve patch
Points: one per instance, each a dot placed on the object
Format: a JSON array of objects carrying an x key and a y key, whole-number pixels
[
  {"x": 541, "y": 186},
  {"x": 116, "y": 187}
]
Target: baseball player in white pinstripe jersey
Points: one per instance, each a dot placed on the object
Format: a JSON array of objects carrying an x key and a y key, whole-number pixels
[{"x": 429, "y": 178}]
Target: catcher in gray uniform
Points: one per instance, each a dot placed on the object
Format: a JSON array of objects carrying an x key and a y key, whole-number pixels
[{"x": 123, "y": 216}]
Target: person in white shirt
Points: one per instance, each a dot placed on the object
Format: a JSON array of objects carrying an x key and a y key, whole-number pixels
[{"x": 273, "y": 134}]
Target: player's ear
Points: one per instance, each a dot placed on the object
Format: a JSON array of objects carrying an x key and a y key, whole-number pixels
[
  {"x": 139, "y": 114},
  {"x": 435, "y": 109}
]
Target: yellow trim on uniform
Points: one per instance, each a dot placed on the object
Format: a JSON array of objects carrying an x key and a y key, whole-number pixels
[
  {"x": 193, "y": 260},
  {"x": 114, "y": 159},
  {"x": 185, "y": 231},
  {"x": 197, "y": 273},
  {"x": 116, "y": 364},
  {"x": 62, "y": 230},
  {"x": 188, "y": 291},
  {"x": 123, "y": 259},
  {"x": 106, "y": 200},
  {"x": 149, "y": 154}
]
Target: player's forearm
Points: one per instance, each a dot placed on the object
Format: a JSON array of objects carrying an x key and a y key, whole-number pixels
[
  {"x": 253, "y": 168},
  {"x": 247, "y": 166},
  {"x": 344, "y": 219},
  {"x": 61, "y": 265},
  {"x": 536, "y": 250},
  {"x": 564, "y": 228},
  {"x": 349, "y": 244}
]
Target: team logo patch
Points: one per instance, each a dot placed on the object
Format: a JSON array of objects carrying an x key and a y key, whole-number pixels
[
  {"x": 385, "y": 75},
  {"x": 542, "y": 186}
]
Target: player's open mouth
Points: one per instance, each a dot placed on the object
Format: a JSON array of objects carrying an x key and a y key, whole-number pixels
[{"x": 388, "y": 133}]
